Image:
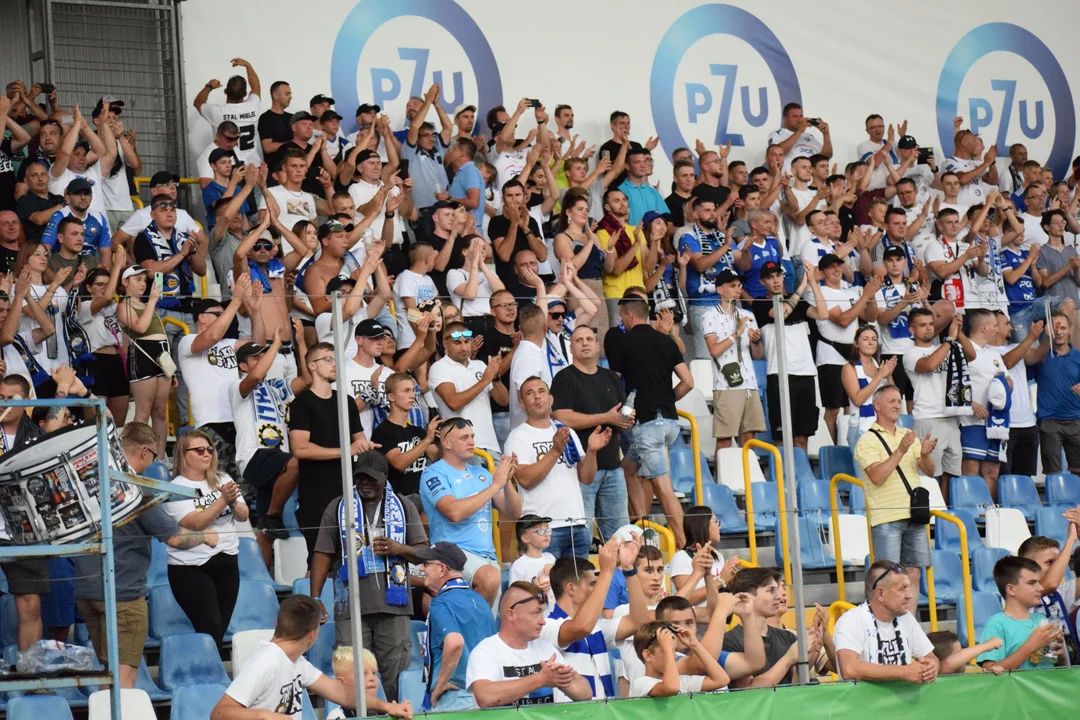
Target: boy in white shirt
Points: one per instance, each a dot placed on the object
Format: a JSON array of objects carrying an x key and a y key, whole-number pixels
[
  {"x": 343, "y": 664},
  {"x": 274, "y": 678},
  {"x": 534, "y": 535},
  {"x": 654, "y": 643},
  {"x": 414, "y": 291}
]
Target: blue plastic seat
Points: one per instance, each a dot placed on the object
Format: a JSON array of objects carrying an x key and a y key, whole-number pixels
[
  {"x": 418, "y": 634},
  {"x": 803, "y": 471},
  {"x": 982, "y": 568},
  {"x": 814, "y": 555},
  {"x": 144, "y": 682},
  {"x": 410, "y": 686},
  {"x": 252, "y": 567},
  {"x": 947, "y": 536},
  {"x": 681, "y": 459},
  {"x": 302, "y": 586},
  {"x": 969, "y": 492},
  {"x": 948, "y": 577},
  {"x": 1019, "y": 492},
  {"x": 722, "y": 502},
  {"x": 814, "y": 500},
  {"x": 835, "y": 459},
  {"x": 195, "y": 702},
  {"x": 256, "y": 608},
  {"x": 984, "y": 605},
  {"x": 322, "y": 652},
  {"x": 766, "y": 506},
  {"x": 38, "y": 707},
  {"x": 166, "y": 616},
  {"x": 9, "y": 621},
  {"x": 190, "y": 659},
  {"x": 1050, "y": 523},
  {"x": 856, "y": 500},
  {"x": 905, "y": 421},
  {"x": 158, "y": 471},
  {"x": 1062, "y": 489},
  {"x": 158, "y": 572}
]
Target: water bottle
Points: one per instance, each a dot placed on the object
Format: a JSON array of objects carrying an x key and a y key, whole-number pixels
[{"x": 628, "y": 407}]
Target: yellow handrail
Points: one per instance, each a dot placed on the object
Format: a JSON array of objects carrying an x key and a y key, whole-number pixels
[
  {"x": 695, "y": 445},
  {"x": 837, "y": 609},
  {"x": 489, "y": 462},
  {"x": 781, "y": 519},
  {"x": 139, "y": 181},
  {"x": 965, "y": 562},
  {"x": 931, "y": 595},
  {"x": 841, "y": 589},
  {"x": 178, "y": 323},
  {"x": 666, "y": 535}
]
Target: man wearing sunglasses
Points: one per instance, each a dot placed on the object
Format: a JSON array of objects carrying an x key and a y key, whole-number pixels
[
  {"x": 880, "y": 639},
  {"x": 225, "y": 139},
  {"x": 164, "y": 183}
]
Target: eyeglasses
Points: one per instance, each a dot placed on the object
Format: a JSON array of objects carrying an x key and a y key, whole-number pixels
[
  {"x": 202, "y": 450},
  {"x": 541, "y": 597},
  {"x": 329, "y": 359},
  {"x": 897, "y": 568},
  {"x": 461, "y": 335},
  {"x": 556, "y": 315},
  {"x": 165, "y": 206},
  {"x": 152, "y": 452},
  {"x": 540, "y": 530},
  {"x": 501, "y": 306},
  {"x": 264, "y": 245},
  {"x": 215, "y": 313}
]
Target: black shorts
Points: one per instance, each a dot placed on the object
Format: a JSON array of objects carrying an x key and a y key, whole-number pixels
[
  {"x": 804, "y": 409},
  {"x": 110, "y": 376},
  {"x": 262, "y": 470},
  {"x": 27, "y": 577},
  {"x": 900, "y": 378},
  {"x": 141, "y": 367},
  {"x": 833, "y": 395}
]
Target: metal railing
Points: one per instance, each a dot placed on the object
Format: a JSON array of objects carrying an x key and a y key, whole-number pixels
[
  {"x": 695, "y": 447},
  {"x": 781, "y": 502}
]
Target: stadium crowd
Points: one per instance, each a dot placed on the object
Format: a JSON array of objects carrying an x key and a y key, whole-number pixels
[{"x": 511, "y": 287}]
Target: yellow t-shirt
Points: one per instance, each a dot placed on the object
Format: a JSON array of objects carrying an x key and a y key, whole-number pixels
[
  {"x": 616, "y": 285},
  {"x": 889, "y": 501}
]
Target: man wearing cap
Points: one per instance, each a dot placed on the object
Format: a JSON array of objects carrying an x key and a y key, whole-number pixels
[
  {"x": 317, "y": 106},
  {"x": 366, "y": 116},
  {"x": 240, "y": 108},
  {"x": 389, "y": 534},
  {"x": 228, "y": 177},
  {"x": 458, "y": 620},
  {"x": 710, "y": 252},
  {"x": 370, "y": 176},
  {"x": 259, "y": 406},
  {"x": 464, "y": 121},
  {"x": 357, "y": 304},
  {"x": 82, "y": 154},
  {"x": 335, "y": 258},
  {"x": 424, "y": 149},
  {"x": 226, "y": 138},
  {"x": 447, "y": 224},
  {"x": 879, "y": 148},
  {"x": 364, "y": 371},
  {"x": 96, "y": 240},
  {"x": 734, "y": 342},
  {"x": 924, "y": 174},
  {"x": 275, "y": 126},
  {"x": 897, "y": 296},
  {"x": 315, "y": 152},
  {"x": 468, "y": 186},
  {"x": 329, "y": 123},
  {"x": 164, "y": 183},
  {"x": 642, "y": 196},
  {"x": 465, "y": 387}
]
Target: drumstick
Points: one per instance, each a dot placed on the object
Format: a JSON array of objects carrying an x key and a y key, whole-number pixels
[{"x": 9, "y": 409}]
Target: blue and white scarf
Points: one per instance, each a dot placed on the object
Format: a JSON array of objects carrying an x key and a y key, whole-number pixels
[
  {"x": 429, "y": 676},
  {"x": 997, "y": 420},
  {"x": 396, "y": 569},
  {"x": 893, "y": 294},
  {"x": 594, "y": 646},
  {"x": 274, "y": 269},
  {"x": 570, "y": 455}
]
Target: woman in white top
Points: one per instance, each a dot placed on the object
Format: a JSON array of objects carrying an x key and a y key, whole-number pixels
[
  {"x": 702, "y": 529},
  {"x": 472, "y": 283},
  {"x": 861, "y": 377},
  {"x": 97, "y": 315},
  {"x": 204, "y": 579},
  {"x": 48, "y": 345}
]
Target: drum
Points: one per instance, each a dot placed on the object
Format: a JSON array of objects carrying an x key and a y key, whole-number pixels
[{"x": 49, "y": 489}]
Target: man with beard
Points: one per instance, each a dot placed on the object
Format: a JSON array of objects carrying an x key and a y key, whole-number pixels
[{"x": 710, "y": 253}]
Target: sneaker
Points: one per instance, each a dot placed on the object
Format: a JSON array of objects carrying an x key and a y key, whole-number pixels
[{"x": 273, "y": 526}]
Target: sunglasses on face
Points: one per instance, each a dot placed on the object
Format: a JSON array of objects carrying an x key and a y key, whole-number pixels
[
  {"x": 557, "y": 315},
  {"x": 458, "y": 335},
  {"x": 897, "y": 568},
  {"x": 230, "y": 138},
  {"x": 264, "y": 245},
  {"x": 541, "y": 597},
  {"x": 202, "y": 450},
  {"x": 165, "y": 206}
]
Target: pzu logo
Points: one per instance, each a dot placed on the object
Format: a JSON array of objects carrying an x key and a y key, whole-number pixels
[
  {"x": 752, "y": 98},
  {"x": 1009, "y": 100},
  {"x": 353, "y": 85}
]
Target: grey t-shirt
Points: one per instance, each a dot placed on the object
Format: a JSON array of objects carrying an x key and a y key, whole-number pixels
[
  {"x": 777, "y": 643},
  {"x": 372, "y": 587},
  {"x": 132, "y": 551},
  {"x": 1052, "y": 260},
  {"x": 221, "y": 257}
]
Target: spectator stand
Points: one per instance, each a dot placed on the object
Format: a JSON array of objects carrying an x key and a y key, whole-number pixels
[
  {"x": 101, "y": 543},
  {"x": 964, "y": 557}
]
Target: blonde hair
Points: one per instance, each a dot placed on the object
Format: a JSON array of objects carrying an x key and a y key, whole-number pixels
[
  {"x": 343, "y": 657},
  {"x": 213, "y": 477}
]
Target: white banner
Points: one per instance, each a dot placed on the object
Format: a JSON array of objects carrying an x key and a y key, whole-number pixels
[{"x": 683, "y": 70}]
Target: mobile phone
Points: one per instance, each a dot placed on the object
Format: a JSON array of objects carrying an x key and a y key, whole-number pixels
[
  {"x": 46, "y": 87},
  {"x": 534, "y": 103},
  {"x": 403, "y": 169},
  {"x": 606, "y": 155},
  {"x": 159, "y": 281},
  {"x": 816, "y": 122},
  {"x": 925, "y": 153}
]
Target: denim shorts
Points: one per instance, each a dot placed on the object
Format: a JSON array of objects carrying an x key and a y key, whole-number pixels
[
  {"x": 901, "y": 541},
  {"x": 648, "y": 446}
]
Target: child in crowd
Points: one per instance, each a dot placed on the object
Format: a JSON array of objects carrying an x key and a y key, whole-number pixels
[
  {"x": 342, "y": 662},
  {"x": 533, "y": 564},
  {"x": 655, "y": 644},
  {"x": 955, "y": 658},
  {"x": 1029, "y": 640},
  {"x": 1060, "y": 597}
]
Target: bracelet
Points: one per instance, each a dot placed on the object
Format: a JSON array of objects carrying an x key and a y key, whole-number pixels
[
  {"x": 208, "y": 86},
  {"x": 388, "y": 215},
  {"x": 629, "y": 573}
]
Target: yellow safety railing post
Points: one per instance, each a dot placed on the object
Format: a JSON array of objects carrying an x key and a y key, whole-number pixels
[
  {"x": 931, "y": 596},
  {"x": 695, "y": 445},
  {"x": 489, "y": 463},
  {"x": 965, "y": 562},
  {"x": 780, "y": 500},
  {"x": 665, "y": 534}
]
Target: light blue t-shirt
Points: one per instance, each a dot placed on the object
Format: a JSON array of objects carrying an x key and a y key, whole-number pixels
[
  {"x": 474, "y": 532},
  {"x": 467, "y": 178},
  {"x": 1013, "y": 634}
]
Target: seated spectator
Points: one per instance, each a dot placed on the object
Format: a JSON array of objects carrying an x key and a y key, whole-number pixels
[
  {"x": 781, "y": 651},
  {"x": 516, "y": 667},
  {"x": 458, "y": 620},
  {"x": 823, "y": 660},
  {"x": 458, "y": 497},
  {"x": 655, "y": 644},
  {"x": 953, "y": 658},
  {"x": 465, "y": 387},
  {"x": 273, "y": 679},
  {"x": 205, "y": 580},
  {"x": 533, "y": 564},
  {"x": 389, "y": 533},
  {"x": 702, "y": 531},
  {"x": 414, "y": 290},
  {"x": 1059, "y": 598},
  {"x": 342, "y": 663},
  {"x": 881, "y": 639},
  {"x": 1029, "y": 640},
  {"x": 96, "y": 231},
  {"x": 408, "y": 448}
]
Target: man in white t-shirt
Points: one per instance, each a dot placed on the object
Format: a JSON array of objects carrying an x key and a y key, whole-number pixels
[
  {"x": 114, "y": 178},
  {"x": 529, "y": 359},
  {"x": 798, "y": 201},
  {"x": 272, "y": 681},
  {"x": 972, "y": 171},
  {"x": 796, "y": 138},
  {"x": 881, "y": 639},
  {"x": 983, "y": 454},
  {"x": 226, "y": 138},
  {"x": 371, "y": 175},
  {"x": 1022, "y": 454},
  {"x": 880, "y": 148},
  {"x": 364, "y": 372},
  {"x": 950, "y": 259},
  {"x": 166, "y": 183},
  {"x": 465, "y": 387},
  {"x": 516, "y": 667},
  {"x": 240, "y": 107},
  {"x": 414, "y": 291},
  {"x": 1034, "y": 201},
  {"x": 294, "y": 204},
  {"x": 82, "y": 154}
]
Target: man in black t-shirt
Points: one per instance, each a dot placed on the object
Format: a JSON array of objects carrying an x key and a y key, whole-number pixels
[
  {"x": 313, "y": 440},
  {"x": 275, "y": 126},
  {"x": 764, "y": 587},
  {"x": 713, "y": 175},
  {"x": 407, "y": 448},
  {"x": 9, "y": 239},
  {"x": 587, "y": 398},
  {"x": 620, "y": 134},
  {"x": 501, "y": 339},
  {"x": 646, "y": 358},
  {"x": 36, "y": 207},
  {"x": 513, "y": 231}
]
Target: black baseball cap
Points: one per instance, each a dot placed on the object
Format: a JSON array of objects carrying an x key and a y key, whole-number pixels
[
  {"x": 770, "y": 268},
  {"x": 201, "y": 305},
  {"x": 300, "y": 117},
  {"x": 366, "y": 154},
  {"x": 828, "y": 261},
  {"x": 320, "y": 98},
  {"x": 447, "y": 553},
  {"x": 907, "y": 142},
  {"x": 894, "y": 251},
  {"x": 371, "y": 463},
  {"x": 218, "y": 153},
  {"x": 328, "y": 116},
  {"x": 365, "y": 108},
  {"x": 79, "y": 185},
  {"x": 336, "y": 283},
  {"x": 528, "y": 521},
  {"x": 164, "y": 177},
  {"x": 249, "y": 350},
  {"x": 372, "y": 329},
  {"x": 115, "y": 106},
  {"x": 444, "y": 204},
  {"x": 726, "y": 276}
]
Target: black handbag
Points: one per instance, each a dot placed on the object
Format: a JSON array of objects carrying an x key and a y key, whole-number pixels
[{"x": 920, "y": 496}]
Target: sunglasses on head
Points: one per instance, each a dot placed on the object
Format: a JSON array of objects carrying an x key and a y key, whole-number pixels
[
  {"x": 540, "y": 596},
  {"x": 455, "y": 423},
  {"x": 461, "y": 335},
  {"x": 897, "y": 568}
]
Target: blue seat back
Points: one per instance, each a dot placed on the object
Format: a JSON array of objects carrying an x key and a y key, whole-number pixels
[
  {"x": 803, "y": 471},
  {"x": 948, "y": 577},
  {"x": 834, "y": 459},
  {"x": 190, "y": 659},
  {"x": 814, "y": 499},
  {"x": 1019, "y": 492},
  {"x": 166, "y": 616},
  {"x": 9, "y": 620},
  {"x": 982, "y": 568},
  {"x": 1062, "y": 489},
  {"x": 418, "y": 636},
  {"x": 256, "y": 608},
  {"x": 158, "y": 572},
  {"x": 856, "y": 500},
  {"x": 766, "y": 506},
  {"x": 38, "y": 707},
  {"x": 195, "y": 702},
  {"x": 722, "y": 502},
  {"x": 144, "y": 682},
  {"x": 158, "y": 471},
  {"x": 411, "y": 686},
  {"x": 681, "y": 459},
  {"x": 969, "y": 492},
  {"x": 1050, "y": 523},
  {"x": 947, "y": 536},
  {"x": 250, "y": 559},
  {"x": 322, "y": 652},
  {"x": 984, "y": 605},
  {"x": 812, "y": 548},
  {"x": 302, "y": 586}
]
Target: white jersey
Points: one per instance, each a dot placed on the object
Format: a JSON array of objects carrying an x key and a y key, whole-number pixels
[
  {"x": 260, "y": 418},
  {"x": 209, "y": 375},
  {"x": 558, "y": 494},
  {"x": 92, "y": 175},
  {"x": 975, "y": 191},
  {"x": 722, "y": 325},
  {"x": 508, "y": 165},
  {"x": 140, "y": 220},
  {"x": 492, "y": 659},
  {"x": 461, "y": 378},
  {"x": 246, "y": 116},
  {"x": 359, "y": 384},
  {"x": 808, "y": 144},
  {"x": 844, "y": 298},
  {"x": 271, "y": 681},
  {"x": 102, "y": 329},
  {"x": 223, "y": 525},
  {"x": 1021, "y": 414},
  {"x": 292, "y": 208},
  {"x": 895, "y": 643}
]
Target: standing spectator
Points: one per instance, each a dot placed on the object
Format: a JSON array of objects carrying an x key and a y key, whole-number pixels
[
  {"x": 980, "y": 432},
  {"x": 472, "y": 284},
  {"x": 899, "y": 294},
  {"x": 897, "y": 234},
  {"x": 414, "y": 291},
  {"x": 459, "y": 619},
  {"x": 515, "y": 666},
  {"x": 274, "y": 128},
  {"x": 204, "y": 579},
  {"x": 9, "y": 146},
  {"x": 530, "y": 358},
  {"x": 11, "y": 238},
  {"x": 150, "y": 383},
  {"x": 426, "y": 149},
  {"x": 641, "y": 196},
  {"x": 1022, "y": 280},
  {"x": 514, "y": 231},
  {"x": 164, "y": 183},
  {"x": 579, "y": 246},
  {"x": 920, "y": 217},
  {"x": 1058, "y": 266},
  {"x": 363, "y": 370},
  {"x": 70, "y": 232},
  {"x": 458, "y": 497},
  {"x": 37, "y": 206},
  {"x": 293, "y": 201},
  {"x": 646, "y": 358},
  {"x": 1022, "y": 453},
  {"x": 799, "y": 200},
  {"x": 881, "y": 639},
  {"x": 879, "y": 148},
  {"x": 96, "y": 234},
  {"x": 467, "y": 187},
  {"x": 313, "y": 439},
  {"x": 862, "y": 377},
  {"x": 225, "y": 139},
  {"x": 758, "y": 247},
  {"x": 241, "y": 106},
  {"x": 892, "y": 459},
  {"x": 685, "y": 178},
  {"x": 1058, "y": 406},
  {"x": 734, "y": 342},
  {"x": 97, "y": 315},
  {"x": 588, "y": 399},
  {"x": 464, "y": 387},
  {"x": 710, "y": 254},
  {"x": 551, "y": 465},
  {"x": 83, "y": 159},
  {"x": 501, "y": 341},
  {"x": 626, "y": 250},
  {"x": 970, "y": 169},
  {"x": 408, "y": 448},
  {"x": 224, "y": 183},
  {"x": 389, "y": 533},
  {"x": 797, "y": 140}
]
